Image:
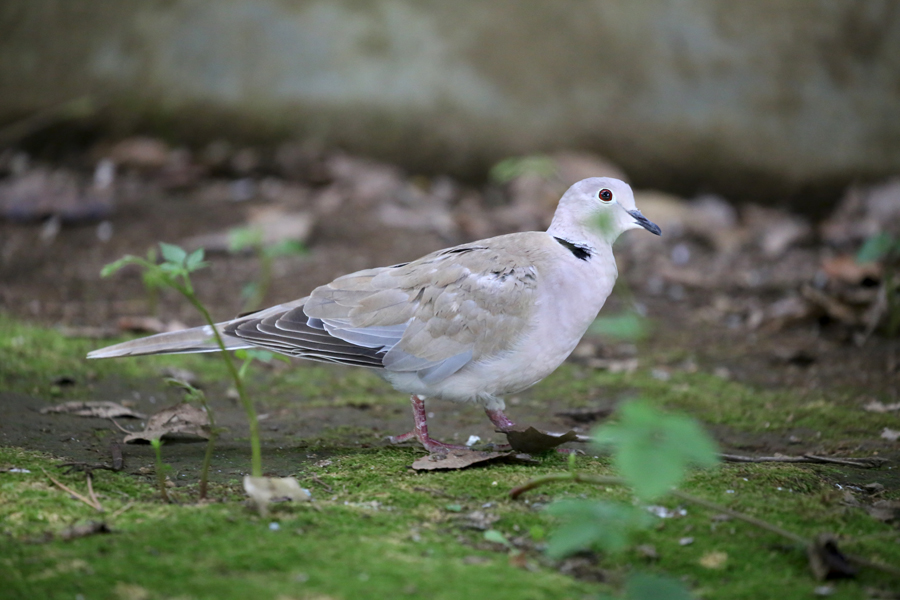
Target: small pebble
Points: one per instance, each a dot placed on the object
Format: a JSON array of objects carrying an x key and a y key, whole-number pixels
[
  {"x": 686, "y": 541},
  {"x": 273, "y": 526}
]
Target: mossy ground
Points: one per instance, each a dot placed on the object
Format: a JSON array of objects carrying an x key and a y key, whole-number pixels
[{"x": 376, "y": 528}]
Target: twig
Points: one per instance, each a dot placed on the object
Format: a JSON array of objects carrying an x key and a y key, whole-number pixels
[
  {"x": 742, "y": 517},
  {"x": 121, "y": 510},
  {"x": 863, "y": 463},
  {"x": 601, "y": 480},
  {"x": 90, "y": 486},
  {"x": 577, "y": 477},
  {"x": 72, "y": 492},
  {"x": 322, "y": 483}
]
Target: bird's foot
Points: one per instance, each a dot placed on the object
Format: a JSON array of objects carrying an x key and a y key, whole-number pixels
[
  {"x": 433, "y": 446},
  {"x": 399, "y": 439}
]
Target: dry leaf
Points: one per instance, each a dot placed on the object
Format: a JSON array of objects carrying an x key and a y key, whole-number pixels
[
  {"x": 101, "y": 409},
  {"x": 266, "y": 490},
  {"x": 84, "y": 529},
  {"x": 532, "y": 441},
  {"x": 714, "y": 560},
  {"x": 892, "y": 435},
  {"x": 457, "y": 459},
  {"x": 477, "y": 519},
  {"x": 180, "y": 422},
  {"x": 880, "y": 407},
  {"x": 885, "y": 510},
  {"x": 826, "y": 561}
]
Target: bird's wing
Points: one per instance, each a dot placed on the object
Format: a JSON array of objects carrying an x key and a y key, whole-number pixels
[{"x": 431, "y": 316}]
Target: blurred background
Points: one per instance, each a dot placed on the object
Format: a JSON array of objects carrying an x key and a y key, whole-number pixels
[{"x": 298, "y": 140}]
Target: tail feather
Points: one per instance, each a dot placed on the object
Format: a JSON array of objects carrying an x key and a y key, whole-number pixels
[
  {"x": 189, "y": 341},
  {"x": 198, "y": 339}
]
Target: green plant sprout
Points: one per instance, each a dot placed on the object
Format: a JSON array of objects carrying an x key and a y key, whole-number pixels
[
  {"x": 161, "y": 470},
  {"x": 251, "y": 238},
  {"x": 152, "y": 284},
  {"x": 193, "y": 394},
  {"x": 516, "y": 166},
  {"x": 885, "y": 248},
  {"x": 175, "y": 272}
]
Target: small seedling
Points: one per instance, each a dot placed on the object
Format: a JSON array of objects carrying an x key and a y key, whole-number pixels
[
  {"x": 251, "y": 238},
  {"x": 885, "y": 248},
  {"x": 175, "y": 273},
  {"x": 161, "y": 470},
  {"x": 193, "y": 394},
  {"x": 516, "y": 166}
]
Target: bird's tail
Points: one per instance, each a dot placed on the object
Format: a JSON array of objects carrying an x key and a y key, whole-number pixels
[{"x": 198, "y": 339}]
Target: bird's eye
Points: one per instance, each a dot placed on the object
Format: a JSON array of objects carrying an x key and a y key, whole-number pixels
[{"x": 605, "y": 195}]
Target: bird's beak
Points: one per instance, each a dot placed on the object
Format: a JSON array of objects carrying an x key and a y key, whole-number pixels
[{"x": 645, "y": 222}]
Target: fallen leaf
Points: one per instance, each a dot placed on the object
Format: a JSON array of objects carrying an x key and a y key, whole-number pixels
[
  {"x": 892, "y": 435},
  {"x": 480, "y": 520},
  {"x": 826, "y": 561},
  {"x": 101, "y": 409},
  {"x": 457, "y": 459},
  {"x": 84, "y": 530},
  {"x": 880, "y": 407},
  {"x": 179, "y": 422},
  {"x": 714, "y": 560},
  {"x": 532, "y": 441},
  {"x": 885, "y": 510},
  {"x": 847, "y": 269},
  {"x": 267, "y": 490}
]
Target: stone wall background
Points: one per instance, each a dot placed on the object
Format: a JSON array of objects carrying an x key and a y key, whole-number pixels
[{"x": 769, "y": 101}]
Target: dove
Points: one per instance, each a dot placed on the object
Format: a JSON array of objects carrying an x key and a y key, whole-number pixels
[{"x": 472, "y": 323}]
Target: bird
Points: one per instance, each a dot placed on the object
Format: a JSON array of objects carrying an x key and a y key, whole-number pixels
[{"x": 472, "y": 323}]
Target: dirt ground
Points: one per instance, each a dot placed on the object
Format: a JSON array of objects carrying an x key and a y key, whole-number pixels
[{"x": 725, "y": 302}]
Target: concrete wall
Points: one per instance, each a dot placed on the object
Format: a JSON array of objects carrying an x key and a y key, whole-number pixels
[{"x": 767, "y": 98}]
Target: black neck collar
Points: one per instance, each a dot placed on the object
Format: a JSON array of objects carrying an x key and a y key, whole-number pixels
[{"x": 579, "y": 251}]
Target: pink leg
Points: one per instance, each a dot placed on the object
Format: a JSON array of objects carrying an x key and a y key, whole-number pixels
[
  {"x": 421, "y": 430},
  {"x": 500, "y": 420}
]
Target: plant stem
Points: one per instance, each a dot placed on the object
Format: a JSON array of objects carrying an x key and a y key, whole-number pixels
[
  {"x": 255, "y": 451},
  {"x": 742, "y": 517},
  {"x": 576, "y": 477},
  {"x": 160, "y": 472},
  {"x": 207, "y": 458}
]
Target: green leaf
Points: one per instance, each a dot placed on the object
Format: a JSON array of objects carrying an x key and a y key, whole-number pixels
[
  {"x": 877, "y": 247},
  {"x": 653, "y": 449},
  {"x": 284, "y": 248},
  {"x": 510, "y": 168},
  {"x": 194, "y": 260},
  {"x": 454, "y": 508},
  {"x": 242, "y": 238},
  {"x": 644, "y": 586},
  {"x": 590, "y": 523},
  {"x": 626, "y": 326},
  {"x": 604, "y": 223},
  {"x": 172, "y": 253},
  {"x": 492, "y": 535},
  {"x": 249, "y": 290}
]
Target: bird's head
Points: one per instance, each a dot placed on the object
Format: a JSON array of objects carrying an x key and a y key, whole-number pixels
[{"x": 599, "y": 207}]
